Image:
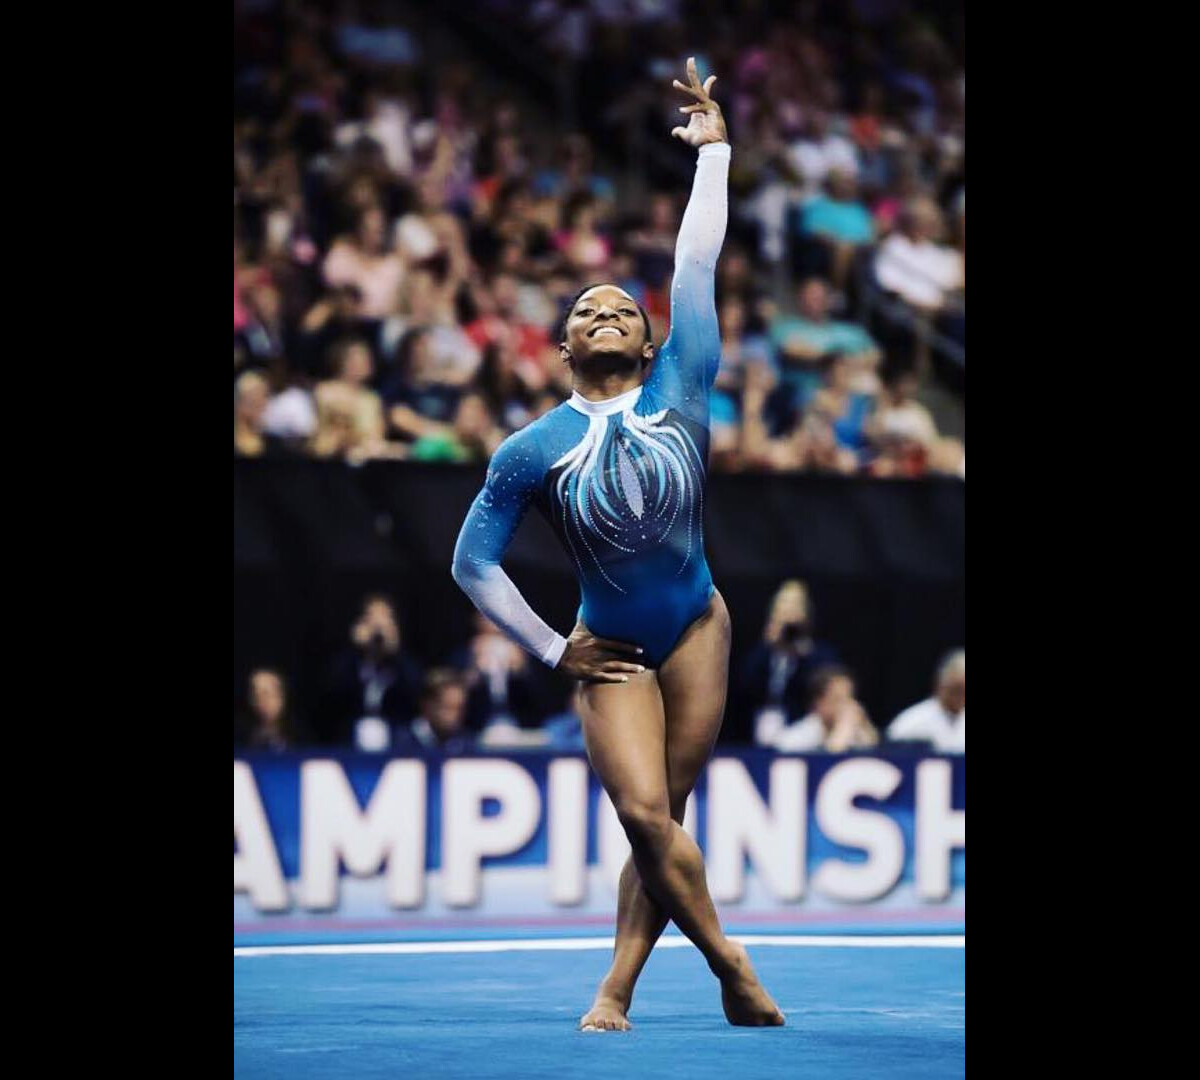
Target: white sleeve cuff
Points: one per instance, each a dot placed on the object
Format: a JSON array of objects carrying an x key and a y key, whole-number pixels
[
  {"x": 553, "y": 652},
  {"x": 715, "y": 149}
]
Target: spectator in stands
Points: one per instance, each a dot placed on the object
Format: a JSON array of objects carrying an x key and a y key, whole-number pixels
[
  {"x": 887, "y": 205},
  {"x": 263, "y": 332},
  {"x": 584, "y": 250},
  {"x": 430, "y": 303},
  {"x": 873, "y": 134},
  {"x": 815, "y": 446},
  {"x": 335, "y": 436},
  {"x": 771, "y": 181},
  {"x": 509, "y": 399},
  {"x": 387, "y": 121},
  {"x": 349, "y": 413},
  {"x": 441, "y": 722},
  {"x": 509, "y": 235},
  {"x": 291, "y": 416},
  {"x": 471, "y": 438},
  {"x": 653, "y": 250},
  {"x": 735, "y": 278},
  {"x": 506, "y": 687},
  {"x": 414, "y": 238},
  {"x": 816, "y": 442},
  {"x": 503, "y": 165},
  {"x": 372, "y": 684},
  {"x": 818, "y": 152},
  {"x": 364, "y": 260},
  {"x": 844, "y": 411},
  {"x": 911, "y": 263},
  {"x": 775, "y": 674},
  {"x": 571, "y": 173},
  {"x": 250, "y": 397},
  {"x": 939, "y": 721},
  {"x": 806, "y": 338},
  {"x": 421, "y": 402},
  {"x": 336, "y": 316},
  {"x": 739, "y": 347},
  {"x": 902, "y": 431},
  {"x": 840, "y": 223},
  {"x": 476, "y": 428},
  {"x": 837, "y": 723},
  {"x": 267, "y": 723},
  {"x": 500, "y": 322},
  {"x": 739, "y": 351}
]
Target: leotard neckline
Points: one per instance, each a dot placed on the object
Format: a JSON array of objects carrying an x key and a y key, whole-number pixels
[{"x": 606, "y": 407}]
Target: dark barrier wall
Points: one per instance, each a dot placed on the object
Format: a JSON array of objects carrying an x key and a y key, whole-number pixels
[{"x": 884, "y": 561}]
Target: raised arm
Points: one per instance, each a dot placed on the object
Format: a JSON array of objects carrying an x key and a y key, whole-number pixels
[
  {"x": 485, "y": 535},
  {"x": 690, "y": 357}
]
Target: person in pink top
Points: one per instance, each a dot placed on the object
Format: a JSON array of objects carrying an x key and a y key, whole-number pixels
[
  {"x": 584, "y": 249},
  {"x": 363, "y": 259}
]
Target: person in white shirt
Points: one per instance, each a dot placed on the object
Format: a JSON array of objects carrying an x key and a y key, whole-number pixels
[
  {"x": 940, "y": 720},
  {"x": 923, "y": 273},
  {"x": 818, "y": 152}
]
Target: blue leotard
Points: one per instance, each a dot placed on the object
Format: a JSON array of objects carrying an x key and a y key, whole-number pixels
[{"x": 621, "y": 481}]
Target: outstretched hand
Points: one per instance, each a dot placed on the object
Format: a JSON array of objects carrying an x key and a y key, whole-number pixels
[
  {"x": 597, "y": 659},
  {"x": 705, "y": 122}
]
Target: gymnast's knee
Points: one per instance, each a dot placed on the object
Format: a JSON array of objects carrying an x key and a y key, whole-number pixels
[{"x": 647, "y": 824}]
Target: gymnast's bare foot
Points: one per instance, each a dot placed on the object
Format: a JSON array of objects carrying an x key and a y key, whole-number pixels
[
  {"x": 606, "y": 1014},
  {"x": 745, "y": 1001}
]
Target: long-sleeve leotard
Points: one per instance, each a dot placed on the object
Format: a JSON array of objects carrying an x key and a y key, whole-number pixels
[{"x": 621, "y": 481}]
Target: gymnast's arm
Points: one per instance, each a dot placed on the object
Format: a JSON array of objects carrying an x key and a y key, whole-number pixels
[
  {"x": 485, "y": 535},
  {"x": 693, "y": 349},
  {"x": 512, "y": 480}
]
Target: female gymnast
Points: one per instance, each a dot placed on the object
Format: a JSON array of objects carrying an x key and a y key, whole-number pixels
[{"x": 619, "y": 471}]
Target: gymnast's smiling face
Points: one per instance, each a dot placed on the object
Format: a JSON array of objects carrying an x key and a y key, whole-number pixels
[{"x": 606, "y": 332}]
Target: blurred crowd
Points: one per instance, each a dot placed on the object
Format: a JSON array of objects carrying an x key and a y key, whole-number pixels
[
  {"x": 406, "y": 238},
  {"x": 375, "y": 697}
]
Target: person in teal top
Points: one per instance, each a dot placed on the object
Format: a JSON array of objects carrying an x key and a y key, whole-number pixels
[
  {"x": 803, "y": 340},
  {"x": 833, "y": 226},
  {"x": 837, "y": 216}
]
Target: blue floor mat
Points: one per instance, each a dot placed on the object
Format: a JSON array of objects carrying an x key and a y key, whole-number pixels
[{"x": 892, "y": 1013}]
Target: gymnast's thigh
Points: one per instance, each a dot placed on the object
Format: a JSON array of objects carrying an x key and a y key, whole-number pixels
[
  {"x": 624, "y": 733},
  {"x": 694, "y": 681}
]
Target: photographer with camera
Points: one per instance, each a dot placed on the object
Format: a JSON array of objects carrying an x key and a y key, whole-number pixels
[
  {"x": 372, "y": 685},
  {"x": 775, "y": 674}
]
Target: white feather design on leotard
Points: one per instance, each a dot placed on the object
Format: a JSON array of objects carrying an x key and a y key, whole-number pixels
[{"x": 624, "y": 486}]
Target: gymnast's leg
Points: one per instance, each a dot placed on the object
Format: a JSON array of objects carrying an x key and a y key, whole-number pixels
[
  {"x": 679, "y": 725},
  {"x": 637, "y": 708},
  {"x": 691, "y": 731},
  {"x": 693, "y": 681},
  {"x": 640, "y": 923}
]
